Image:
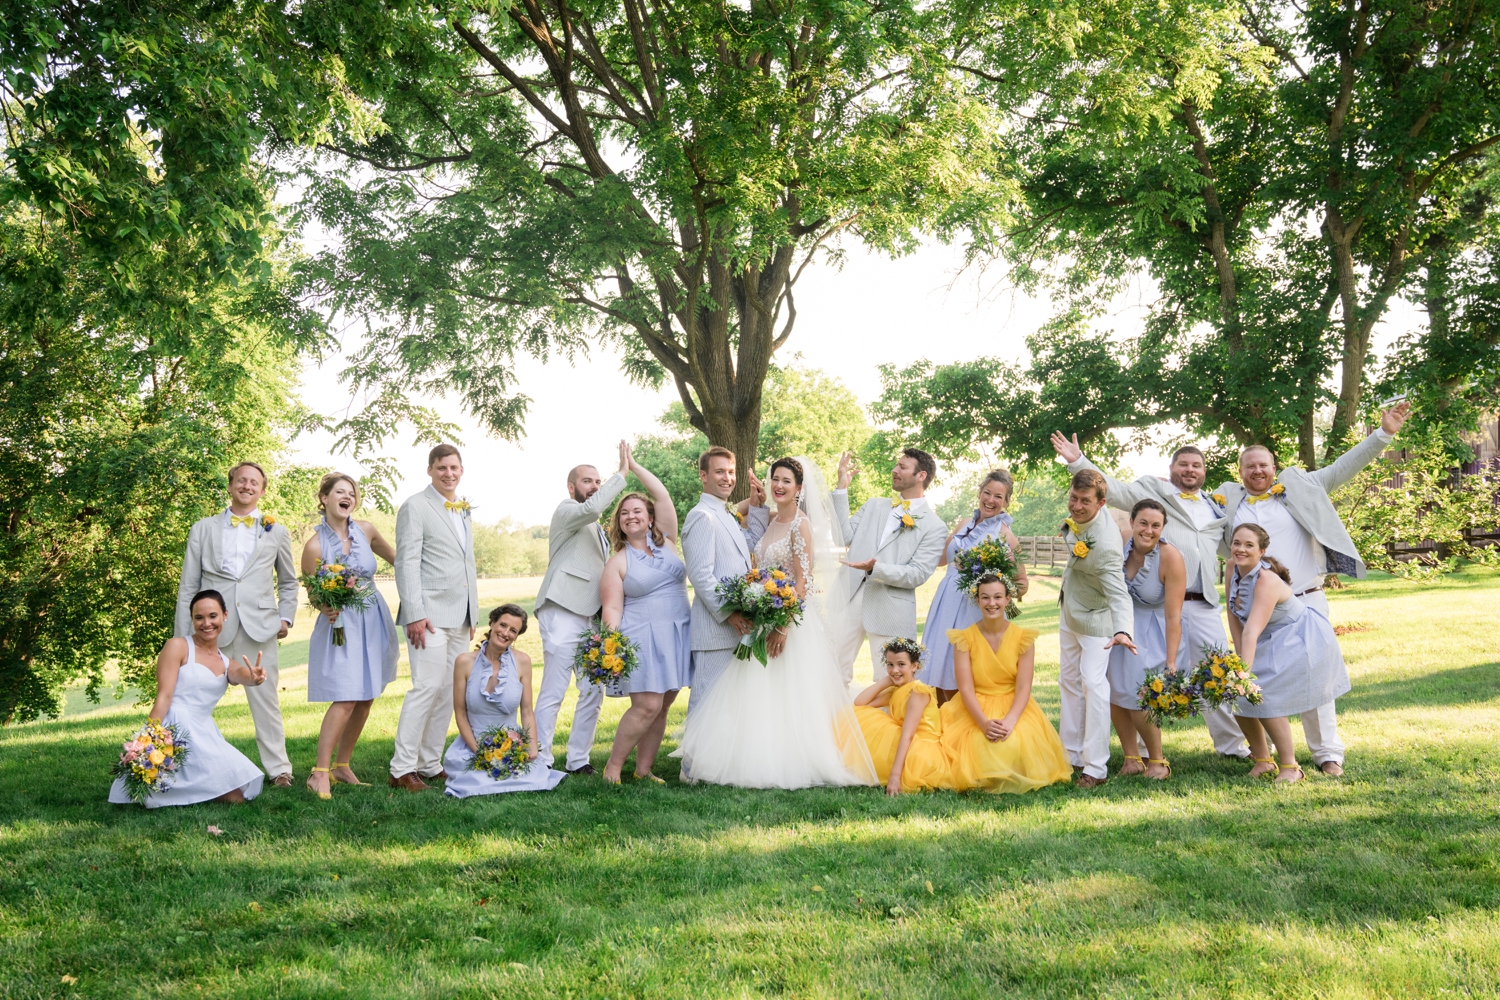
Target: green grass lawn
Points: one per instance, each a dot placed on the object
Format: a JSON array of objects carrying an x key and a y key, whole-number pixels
[{"x": 1383, "y": 884}]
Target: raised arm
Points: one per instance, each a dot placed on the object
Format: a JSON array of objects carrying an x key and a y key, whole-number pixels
[
  {"x": 666, "y": 514},
  {"x": 572, "y": 515},
  {"x": 1121, "y": 494}
]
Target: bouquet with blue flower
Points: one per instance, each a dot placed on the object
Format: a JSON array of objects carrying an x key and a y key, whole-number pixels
[
  {"x": 502, "y": 752},
  {"x": 1221, "y": 677},
  {"x": 1167, "y": 697},
  {"x": 150, "y": 759},
  {"x": 335, "y": 587},
  {"x": 993, "y": 555},
  {"x": 768, "y": 598},
  {"x": 605, "y": 655}
]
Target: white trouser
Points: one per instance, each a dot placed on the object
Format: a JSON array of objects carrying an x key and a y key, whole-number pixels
[
  {"x": 877, "y": 655},
  {"x": 1084, "y": 724},
  {"x": 1203, "y": 625},
  {"x": 265, "y": 704},
  {"x": 708, "y": 666},
  {"x": 855, "y": 636},
  {"x": 1321, "y": 725},
  {"x": 560, "y": 629},
  {"x": 428, "y": 706}
]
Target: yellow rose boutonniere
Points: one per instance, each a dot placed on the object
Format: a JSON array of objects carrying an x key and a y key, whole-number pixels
[
  {"x": 1220, "y": 499},
  {"x": 268, "y": 522},
  {"x": 1277, "y": 490},
  {"x": 1080, "y": 549}
]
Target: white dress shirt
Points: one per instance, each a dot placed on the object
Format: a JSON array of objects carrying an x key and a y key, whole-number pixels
[
  {"x": 1298, "y": 551},
  {"x": 239, "y": 543},
  {"x": 919, "y": 507},
  {"x": 1204, "y": 510},
  {"x": 457, "y": 517}
]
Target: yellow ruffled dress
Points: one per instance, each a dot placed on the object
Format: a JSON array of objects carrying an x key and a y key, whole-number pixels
[
  {"x": 1032, "y": 756},
  {"x": 926, "y": 764}
]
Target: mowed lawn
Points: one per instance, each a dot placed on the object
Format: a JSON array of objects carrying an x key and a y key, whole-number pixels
[{"x": 1383, "y": 884}]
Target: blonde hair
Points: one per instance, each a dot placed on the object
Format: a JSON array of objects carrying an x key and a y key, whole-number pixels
[{"x": 617, "y": 534}]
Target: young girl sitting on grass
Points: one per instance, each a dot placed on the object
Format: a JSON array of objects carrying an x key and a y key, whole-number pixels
[{"x": 906, "y": 744}]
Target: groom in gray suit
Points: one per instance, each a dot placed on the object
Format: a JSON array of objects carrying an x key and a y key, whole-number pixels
[
  {"x": 439, "y": 593},
  {"x": 1308, "y": 537},
  {"x": 717, "y": 539},
  {"x": 894, "y": 547},
  {"x": 239, "y": 553}
]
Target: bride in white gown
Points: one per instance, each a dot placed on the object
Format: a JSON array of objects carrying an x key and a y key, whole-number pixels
[{"x": 790, "y": 724}]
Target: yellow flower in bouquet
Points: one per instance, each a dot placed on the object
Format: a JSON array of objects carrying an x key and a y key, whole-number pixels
[
  {"x": 778, "y": 575},
  {"x": 611, "y": 645},
  {"x": 605, "y": 655},
  {"x": 1156, "y": 685}
]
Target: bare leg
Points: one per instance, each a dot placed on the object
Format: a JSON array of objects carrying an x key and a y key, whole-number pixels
[
  {"x": 645, "y": 751},
  {"x": 1151, "y": 736},
  {"x": 234, "y": 797},
  {"x": 633, "y": 725},
  {"x": 334, "y": 721},
  {"x": 347, "y": 739},
  {"x": 1286, "y": 751},
  {"x": 1124, "y": 721},
  {"x": 1255, "y": 735}
]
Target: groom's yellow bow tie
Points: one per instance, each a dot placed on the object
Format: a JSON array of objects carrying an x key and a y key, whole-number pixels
[
  {"x": 459, "y": 505},
  {"x": 1190, "y": 496},
  {"x": 248, "y": 520}
]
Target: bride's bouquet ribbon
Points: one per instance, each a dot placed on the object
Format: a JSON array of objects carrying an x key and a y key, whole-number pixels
[{"x": 769, "y": 599}]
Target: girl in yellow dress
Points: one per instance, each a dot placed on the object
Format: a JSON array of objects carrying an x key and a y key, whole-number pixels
[
  {"x": 995, "y": 736},
  {"x": 906, "y": 744}
]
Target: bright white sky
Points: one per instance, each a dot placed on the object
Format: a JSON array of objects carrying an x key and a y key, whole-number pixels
[{"x": 850, "y": 321}]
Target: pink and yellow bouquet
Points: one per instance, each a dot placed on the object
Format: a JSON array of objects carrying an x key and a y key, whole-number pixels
[
  {"x": 1221, "y": 678},
  {"x": 605, "y": 655},
  {"x": 150, "y": 759},
  {"x": 1166, "y": 697},
  {"x": 335, "y": 587},
  {"x": 502, "y": 752},
  {"x": 768, "y": 598},
  {"x": 993, "y": 555}
]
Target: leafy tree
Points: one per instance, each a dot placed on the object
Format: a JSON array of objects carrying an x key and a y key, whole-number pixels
[
  {"x": 1279, "y": 172},
  {"x": 655, "y": 176}
]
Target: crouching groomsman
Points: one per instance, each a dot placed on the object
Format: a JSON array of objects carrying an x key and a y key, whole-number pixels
[
  {"x": 1308, "y": 538},
  {"x": 566, "y": 603},
  {"x": 1195, "y": 526},
  {"x": 247, "y": 557},
  {"x": 1095, "y": 615},
  {"x": 439, "y": 594}
]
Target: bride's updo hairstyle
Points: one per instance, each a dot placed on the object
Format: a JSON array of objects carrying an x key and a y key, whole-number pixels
[
  {"x": 617, "y": 534},
  {"x": 791, "y": 465}
]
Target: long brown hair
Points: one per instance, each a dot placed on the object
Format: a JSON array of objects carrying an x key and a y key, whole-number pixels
[{"x": 617, "y": 536}]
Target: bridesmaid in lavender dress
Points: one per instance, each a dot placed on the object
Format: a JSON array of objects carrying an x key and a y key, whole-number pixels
[
  {"x": 952, "y": 610},
  {"x": 644, "y": 594},
  {"x": 352, "y": 675}
]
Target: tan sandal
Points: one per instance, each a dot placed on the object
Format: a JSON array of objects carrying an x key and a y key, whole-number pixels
[
  {"x": 320, "y": 770},
  {"x": 341, "y": 781},
  {"x": 1290, "y": 767},
  {"x": 1164, "y": 763}
]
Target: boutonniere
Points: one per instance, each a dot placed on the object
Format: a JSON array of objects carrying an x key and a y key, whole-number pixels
[
  {"x": 268, "y": 522},
  {"x": 734, "y": 512},
  {"x": 1219, "y": 499},
  {"x": 908, "y": 519},
  {"x": 1277, "y": 490},
  {"x": 1080, "y": 547}
]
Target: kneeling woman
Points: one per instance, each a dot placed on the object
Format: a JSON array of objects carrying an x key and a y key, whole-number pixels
[
  {"x": 1289, "y": 647},
  {"x": 191, "y": 676},
  {"x": 994, "y": 733},
  {"x": 906, "y": 742},
  {"x": 489, "y": 684}
]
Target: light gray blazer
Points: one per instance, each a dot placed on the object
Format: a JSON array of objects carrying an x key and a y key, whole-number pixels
[
  {"x": 888, "y": 593},
  {"x": 1199, "y": 548},
  {"x": 576, "y": 551},
  {"x": 714, "y": 546},
  {"x": 255, "y": 603},
  {"x": 435, "y": 575},
  {"x": 1306, "y": 499},
  {"x": 1094, "y": 598}
]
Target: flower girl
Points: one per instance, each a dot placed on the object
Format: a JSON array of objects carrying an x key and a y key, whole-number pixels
[{"x": 906, "y": 741}]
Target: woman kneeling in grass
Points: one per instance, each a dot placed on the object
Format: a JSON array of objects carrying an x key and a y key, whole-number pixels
[{"x": 906, "y": 742}]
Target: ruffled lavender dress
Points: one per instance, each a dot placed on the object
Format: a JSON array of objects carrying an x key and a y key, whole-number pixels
[
  {"x": 489, "y": 710},
  {"x": 1298, "y": 664}
]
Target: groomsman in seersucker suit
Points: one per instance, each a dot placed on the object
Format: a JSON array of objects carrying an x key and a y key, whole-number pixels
[
  {"x": 247, "y": 557},
  {"x": 1308, "y": 537},
  {"x": 566, "y": 603},
  {"x": 717, "y": 539},
  {"x": 439, "y": 608},
  {"x": 1195, "y": 525},
  {"x": 894, "y": 547}
]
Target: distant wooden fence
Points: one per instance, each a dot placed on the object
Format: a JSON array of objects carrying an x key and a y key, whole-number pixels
[{"x": 1043, "y": 549}]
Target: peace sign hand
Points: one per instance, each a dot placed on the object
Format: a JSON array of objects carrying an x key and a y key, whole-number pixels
[{"x": 256, "y": 673}]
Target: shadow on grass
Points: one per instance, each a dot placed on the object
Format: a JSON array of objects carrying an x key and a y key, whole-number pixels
[{"x": 1459, "y": 686}]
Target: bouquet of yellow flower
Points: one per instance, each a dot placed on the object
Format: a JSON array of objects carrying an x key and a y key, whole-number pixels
[
  {"x": 150, "y": 759},
  {"x": 1166, "y": 697},
  {"x": 335, "y": 587},
  {"x": 1221, "y": 677},
  {"x": 767, "y": 597},
  {"x": 605, "y": 655},
  {"x": 992, "y": 555},
  {"x": 502, "y": 752}
]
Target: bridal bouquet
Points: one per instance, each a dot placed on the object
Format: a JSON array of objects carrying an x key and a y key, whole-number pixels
[
  {"x": 605, "y": 655},
  {"x": 335, "y": 587},
  {"x": 766, "y": 597},
  {"x": 501, "y": 753},
  {"x": 1221, "y": 677},
  {"x": 992, "y": 555},
  {"x": 150, "y": 759},
  {"x": 1167, "y": 697}
]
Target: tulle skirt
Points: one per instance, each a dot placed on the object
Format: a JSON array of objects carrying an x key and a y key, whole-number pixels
[
  {"x": 926, "y": 764},
  {"x": 1030, "y": 757}
]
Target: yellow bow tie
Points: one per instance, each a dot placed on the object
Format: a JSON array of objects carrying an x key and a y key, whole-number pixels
[
  {"x": 459, "y": 505},
  {"x": 248, "y": 520},
  {"x": 901, "y": 502},
  {"x": 1189, "y": 496},
  {"x": 1257, "y": 498}
]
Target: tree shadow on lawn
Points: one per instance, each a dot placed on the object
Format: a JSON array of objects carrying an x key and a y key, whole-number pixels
[{"x": 1460, "y": 686}]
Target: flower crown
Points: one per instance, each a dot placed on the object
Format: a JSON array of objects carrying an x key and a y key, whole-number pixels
[{"x": 910, "y": 647}]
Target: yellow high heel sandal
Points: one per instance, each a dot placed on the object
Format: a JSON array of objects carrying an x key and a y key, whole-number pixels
[
  {"x": 320, "y": 770},
  {"x": 1262, "y": 760},
  {"x": 340, "y": 781},
  {"x": 1291, "y": 767},
  {"x": 1128, "y": 759},
  {"x": 1164, "y": 763},
  {"x": 648, "y": 776}
]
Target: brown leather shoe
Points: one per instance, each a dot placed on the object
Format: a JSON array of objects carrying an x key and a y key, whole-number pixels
[
  {"x": 440, "y": 776},
  {"x": 282, "y": 780},
  {"x": 1089, "y": 781},
  {"x": 410, "y": 782}
]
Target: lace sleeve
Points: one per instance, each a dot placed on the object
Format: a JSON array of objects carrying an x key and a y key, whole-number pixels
[{"x": 803, "y": 551}]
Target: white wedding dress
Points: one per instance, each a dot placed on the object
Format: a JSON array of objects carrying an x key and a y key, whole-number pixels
[{"x": 791, "y": 723}]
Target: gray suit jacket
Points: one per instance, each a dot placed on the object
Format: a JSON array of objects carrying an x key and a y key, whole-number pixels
[
  {"x": 1094, "y": 598},
  {"x": 576, "y": 551},
  {"x": 714, "y": 546},
  {"x": 888, "y": 593},
  {"x": 435, "y": 565},
  {"x": 1306, "y": 499},
  {"x": 1199, "y": 548},
  {"x": 255, "y": 603}
]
